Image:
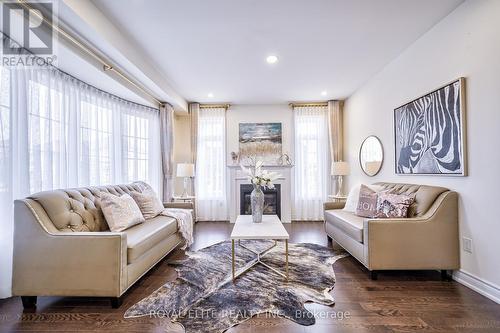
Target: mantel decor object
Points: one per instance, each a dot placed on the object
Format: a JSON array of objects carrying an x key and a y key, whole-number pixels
[
  {"x": 284, "y": 160},
  {"x": 234, "y": 157}
]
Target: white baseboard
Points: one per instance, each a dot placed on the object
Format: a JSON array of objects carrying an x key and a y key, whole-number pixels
[{"x": 473, "y": 282}]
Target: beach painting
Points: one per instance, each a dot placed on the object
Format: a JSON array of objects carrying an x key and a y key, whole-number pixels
[{"x": 260, "y": 142}]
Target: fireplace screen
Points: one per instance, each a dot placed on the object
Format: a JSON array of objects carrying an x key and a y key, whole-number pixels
[{"x": 272, "y": 200}]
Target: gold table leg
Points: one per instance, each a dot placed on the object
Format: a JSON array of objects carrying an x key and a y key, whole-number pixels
[
  {"x": 232, "y": 254},
  {"x": 286, "y": 254},
  {"x": 257, "y": 260}
]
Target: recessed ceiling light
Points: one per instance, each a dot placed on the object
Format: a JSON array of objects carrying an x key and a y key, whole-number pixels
[
  {"x": 323, "y": 93},
  {"x": 210, "y": 95},
  {"x": 272, "y": 59}
]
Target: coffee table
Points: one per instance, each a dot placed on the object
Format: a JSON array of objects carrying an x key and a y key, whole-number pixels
[{"x": 270, "y": 228}]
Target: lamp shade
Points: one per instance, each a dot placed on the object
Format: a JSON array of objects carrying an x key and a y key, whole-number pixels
[
  {"x": 185, "y": 170},
  {"x": 340, "y": 168}
]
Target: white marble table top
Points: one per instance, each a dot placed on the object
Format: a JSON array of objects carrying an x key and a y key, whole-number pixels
[{"x": 270, "y": 228}]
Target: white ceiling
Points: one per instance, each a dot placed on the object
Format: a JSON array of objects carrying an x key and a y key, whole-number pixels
[
  {"x": 85, "y": 21},
  {"x": 71, "y": 62},
  {"x": 220, "y": 46}
]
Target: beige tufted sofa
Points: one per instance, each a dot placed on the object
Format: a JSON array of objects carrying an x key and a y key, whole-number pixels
[
  {"x": 427, "y": 239},
  {"x": 63, "y": 247}
]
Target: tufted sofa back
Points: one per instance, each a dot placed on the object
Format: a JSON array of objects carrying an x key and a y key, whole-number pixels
[
  {"x": 79, "y": 209},
  {"x": 424, "y": 195}
]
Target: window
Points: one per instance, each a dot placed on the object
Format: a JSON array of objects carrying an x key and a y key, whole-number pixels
[
  {"x": 96, "y": 143},
  {"x": 211, "y": 165},
  {"x": 80, "y": 136},
  {"x": 135, "y": 147},
  {"x": 5, "y": 139},
  {"x": 312, "y": 160},
  {"x": 47, "y": 137}
]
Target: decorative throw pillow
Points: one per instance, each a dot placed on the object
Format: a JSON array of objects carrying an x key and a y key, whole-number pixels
[
  {"x": 393, "y": 205},
  {"x": 351, "y": 203},
  {"x": 367, "y": 203},
  {"x": 148, "y": 203},
  {"x": 120, "y": 212}
]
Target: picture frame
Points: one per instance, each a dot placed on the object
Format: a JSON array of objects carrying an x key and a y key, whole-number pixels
[
  {"x": 430, "y": 133},
  {"x": 260, "y": 141}
]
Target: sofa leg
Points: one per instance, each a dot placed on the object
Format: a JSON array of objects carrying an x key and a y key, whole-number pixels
[
  {"x": 374, "y": 275},
  {"x": 29, "y": 302},
  {"x": 329, "y": 239},
  {"x": 445, "y": 276},
  {"x": 116, "y": 302},
  {"x": 335, "y": 246}
]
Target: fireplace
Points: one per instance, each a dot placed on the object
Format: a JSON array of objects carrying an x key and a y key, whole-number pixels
[
  {"x": 272, "y": 200},
  {"x": 237, "y": 178}
]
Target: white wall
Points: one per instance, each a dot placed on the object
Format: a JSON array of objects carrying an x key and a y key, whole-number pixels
[
  {"x": 275, "y": 113},
  {"x": 466, "y": 43},
  {"x": 236, "y": 114}
]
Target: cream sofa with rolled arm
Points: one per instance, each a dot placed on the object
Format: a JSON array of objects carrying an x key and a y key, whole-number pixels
[
  {"x": 63, "y": 247},
  {"x": 427, "y": 239}
]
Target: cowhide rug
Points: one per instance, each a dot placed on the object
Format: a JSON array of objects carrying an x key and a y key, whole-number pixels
[{"x": 203, "y": 298}]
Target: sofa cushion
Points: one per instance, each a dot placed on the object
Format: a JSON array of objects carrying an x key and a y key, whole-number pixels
[
  {"x": 347, "y": 222},
  {"x": 148, "y": 202},
  {"x": 367, "y": 203},
  {"x": 391, "y": 205},
  {"x": 352, "y": 201},
  {"x": 121, "y": 212},
  {"x": 424, "y": 195},
  {"x": 145, "y": 236}
]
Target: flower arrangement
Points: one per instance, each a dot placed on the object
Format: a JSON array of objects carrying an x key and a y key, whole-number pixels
[{"x": 259, "y": 177}]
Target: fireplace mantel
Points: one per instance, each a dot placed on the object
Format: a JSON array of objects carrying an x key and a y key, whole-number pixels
[{"x": 237, "y": 177}]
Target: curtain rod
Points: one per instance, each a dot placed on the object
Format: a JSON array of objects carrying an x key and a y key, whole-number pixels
[
  {"x": 318, "y": 104},
  {"x": 214, "y": 106},
  {"x": 105, "y": 65},
  {"x": 6, "y": 38}
]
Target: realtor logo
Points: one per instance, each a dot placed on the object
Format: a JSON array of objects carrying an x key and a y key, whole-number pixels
[{"x": 28, "y": 27}]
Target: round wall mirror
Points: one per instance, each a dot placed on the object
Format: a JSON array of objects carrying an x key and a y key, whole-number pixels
[{"x": 371, "y": 155}]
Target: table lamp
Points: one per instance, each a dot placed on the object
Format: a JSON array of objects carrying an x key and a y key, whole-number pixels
[
  {"x": 340, "y": 169},
  {"x": 185, "y": 170}
]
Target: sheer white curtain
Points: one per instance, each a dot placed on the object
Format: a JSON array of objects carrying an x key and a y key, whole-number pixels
[
  {"x": 167, "y": 150},
  {"x": 58, "y": 132},
  {"x": 7, "y": 190},
  {"x": 72, "y": 134},
  {"x": 311, "y": 162},
  {"x": 211, "y": 201}
]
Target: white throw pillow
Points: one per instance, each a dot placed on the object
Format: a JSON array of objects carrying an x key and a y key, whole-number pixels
[
  {"x": 120, "y": 212},
  {"x": 352, "y": 200},
  {"x": 148, "y": 203}
]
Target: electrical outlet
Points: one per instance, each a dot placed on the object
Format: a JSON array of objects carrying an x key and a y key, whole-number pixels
[{"x": 467, "y": 244}]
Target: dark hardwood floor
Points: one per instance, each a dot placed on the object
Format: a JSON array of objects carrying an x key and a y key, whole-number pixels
[{"x": 396, "y": 302}]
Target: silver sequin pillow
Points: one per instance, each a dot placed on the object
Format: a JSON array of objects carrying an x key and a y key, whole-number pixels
[
  {"x": 121, "y": 212},
  {"x": 393, "y": 205}
]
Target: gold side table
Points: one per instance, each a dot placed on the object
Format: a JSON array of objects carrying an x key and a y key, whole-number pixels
[{"x": 337, "y": 198}]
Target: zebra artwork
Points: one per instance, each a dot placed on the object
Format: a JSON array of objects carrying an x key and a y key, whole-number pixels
[{"x": 429, "y": 133}]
